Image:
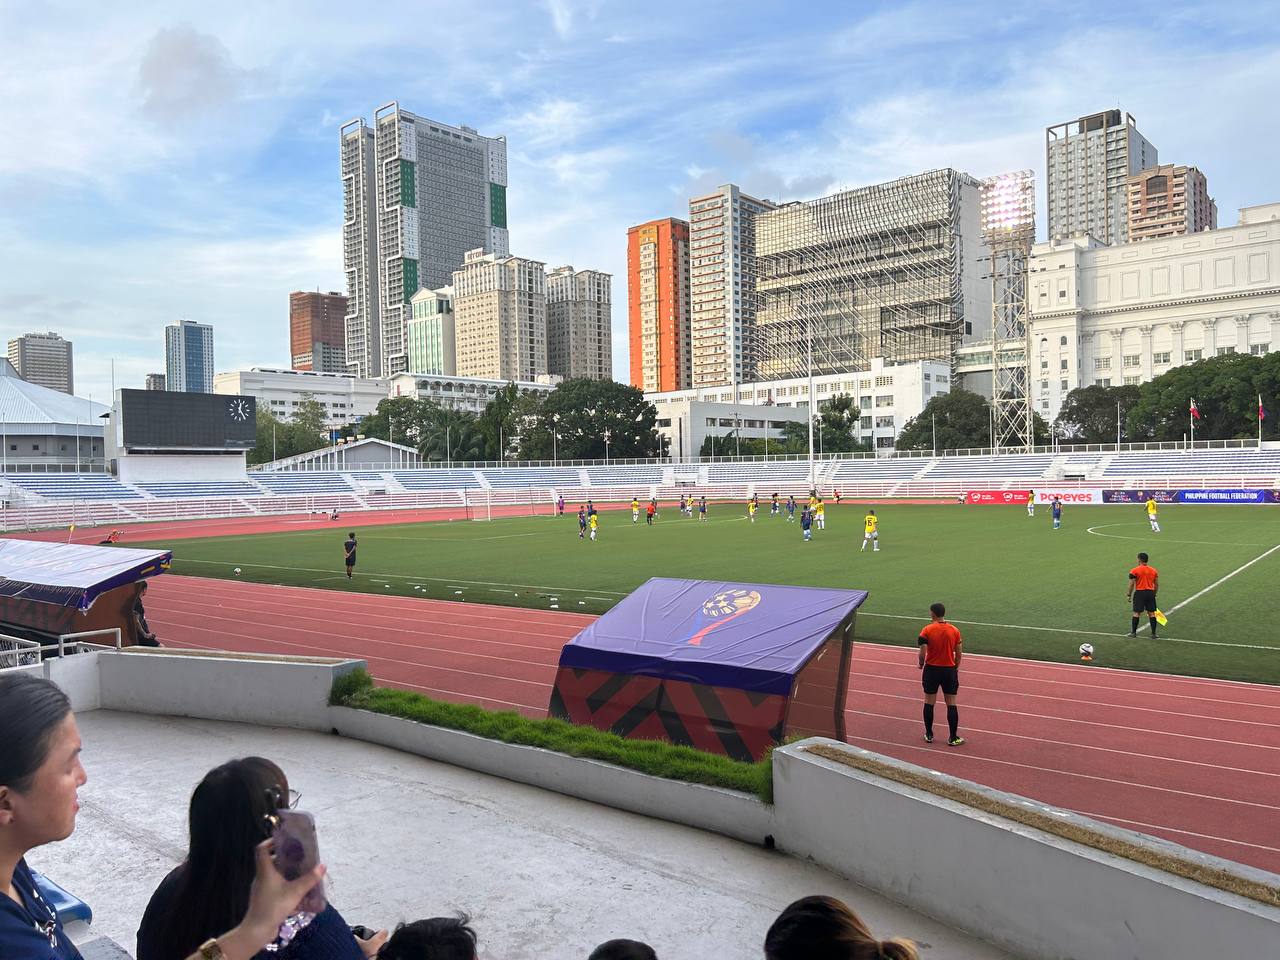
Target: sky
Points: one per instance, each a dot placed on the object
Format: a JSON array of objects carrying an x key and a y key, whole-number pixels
[{"x": 180, "y": 160}]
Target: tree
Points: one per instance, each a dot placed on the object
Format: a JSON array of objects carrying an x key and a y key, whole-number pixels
[
  {"x": 278, "y": 439},
  {"x": 401, "y": 420},
  {"x": 839, "y": 418},
  {"x": 1088, "y": 414},
  {"x": 499, "y": 422},
  {"x": 309, "y": 428},
  {"x": 582, "y": 419},
  {"x": 452, "y": 436},
  {"x": 963, "y": 420},
  {"x": 1226, "y": 392}
]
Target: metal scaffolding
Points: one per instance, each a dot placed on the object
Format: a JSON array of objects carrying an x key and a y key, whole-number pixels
[
  {"x": 1009, "y": 222},
  {"x": 872, "y": 272}
]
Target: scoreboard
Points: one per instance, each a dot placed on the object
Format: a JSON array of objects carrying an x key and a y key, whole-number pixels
[{"x": 169, "y": 420}]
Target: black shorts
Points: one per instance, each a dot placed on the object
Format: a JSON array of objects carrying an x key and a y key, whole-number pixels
[
  {"x": 948, "y": 678},
  {"x": 1144, "y": 601},
  {"x": 351, "y": 561}
]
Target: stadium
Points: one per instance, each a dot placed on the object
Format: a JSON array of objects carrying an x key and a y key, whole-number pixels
[{"x": 476, "y": 612}]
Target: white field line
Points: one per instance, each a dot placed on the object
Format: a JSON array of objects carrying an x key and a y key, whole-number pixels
[
  {"x": 1204, "y": 543},
  {"x": 1086, "y": 633},
  {"x": 1243, "y": 566}
]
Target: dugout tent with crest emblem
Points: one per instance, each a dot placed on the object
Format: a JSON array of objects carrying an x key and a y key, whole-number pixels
[{"x": 730, "y": 668}]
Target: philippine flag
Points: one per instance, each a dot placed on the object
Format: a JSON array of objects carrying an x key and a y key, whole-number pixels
[
  {"x": 1262, "y": 414},
  {"x": 1195, "y": 411}
]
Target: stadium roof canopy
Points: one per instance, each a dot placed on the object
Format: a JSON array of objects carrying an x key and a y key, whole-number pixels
[{"x": 28, "y": 408}]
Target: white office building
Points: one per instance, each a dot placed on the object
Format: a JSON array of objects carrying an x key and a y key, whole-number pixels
[
  {"x": 1124, "y": 314},
  {"x": 722, "y": 285},
  {"x": 887, "y": 396},
  {"x": 500, "y": 317},
  {"x": 471, "y": 394},
  {"x": 280, "y": 391},
  {"x": 1089, "y": 162},
  {"x": 43, "y": 359},
  {"x": 417, "y": 195}
]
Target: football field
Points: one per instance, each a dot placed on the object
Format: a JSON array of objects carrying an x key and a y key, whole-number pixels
[{"x": 1013, "y": 585}]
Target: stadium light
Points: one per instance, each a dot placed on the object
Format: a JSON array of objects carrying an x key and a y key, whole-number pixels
[{"x": 1009, "y": 206}]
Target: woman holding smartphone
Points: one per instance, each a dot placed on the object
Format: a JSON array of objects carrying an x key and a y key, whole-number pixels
[{"x": 231, "y": 812}]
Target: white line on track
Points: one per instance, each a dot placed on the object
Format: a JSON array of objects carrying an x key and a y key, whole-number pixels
[
  {"x": 1168, "y": 829},
  {"x": 1088, "y": 633},
  {"x": 1243, "y": 566}
]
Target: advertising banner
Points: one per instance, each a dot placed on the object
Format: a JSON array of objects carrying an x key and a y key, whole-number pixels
[
  {"x": 1225, "y": 496},
  {"x": 995, "y": 496},
  {"x": 1139, "y": 496},
  {"x": 1071, "y": 495}
]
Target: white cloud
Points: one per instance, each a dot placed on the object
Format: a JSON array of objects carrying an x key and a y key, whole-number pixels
[{"x": 553, "y": 121}]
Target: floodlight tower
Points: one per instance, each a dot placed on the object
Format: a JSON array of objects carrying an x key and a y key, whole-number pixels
[{"x": 1009, "y": 223}]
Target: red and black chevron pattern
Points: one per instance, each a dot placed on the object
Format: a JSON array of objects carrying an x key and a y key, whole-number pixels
[{"x": 722, "y": 720}]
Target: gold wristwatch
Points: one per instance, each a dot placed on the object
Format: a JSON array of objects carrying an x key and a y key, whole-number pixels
[{"x": 211, "y": 950}]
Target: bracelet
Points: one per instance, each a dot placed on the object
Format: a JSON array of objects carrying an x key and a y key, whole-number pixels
[{"x": 211, "y": 950}]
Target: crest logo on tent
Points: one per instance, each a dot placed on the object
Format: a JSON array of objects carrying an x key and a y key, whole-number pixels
[{"x": 723, "y": 607}]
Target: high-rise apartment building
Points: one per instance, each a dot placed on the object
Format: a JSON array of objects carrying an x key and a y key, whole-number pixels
[
  {"x": 892, "y": 271},
  {"x": 1089, "y": 162},
  {"x": 432, "y": 334},
  {"x": 155, "y": 381},
  {"x": 579, "y": 320},
  {"x": 317, "y": 331},
  {"x": 1169, "y": 201},
  {"x": 188, "y": 357},
  {"x": 658, "y": 305},
  {"x": 418, "y": 194},
  {"x": 44, "y": 359},
  {"x": 363, "y": 333},
  {"x": 500, "y": 317},
  {"x": 722, "y": 285}
]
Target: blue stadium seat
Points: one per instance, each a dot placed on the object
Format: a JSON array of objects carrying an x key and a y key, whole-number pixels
[
  {"x": 69, "y": 908},
  {"x": 201, "y": 488},
  {"x": 73, "y": 486}
]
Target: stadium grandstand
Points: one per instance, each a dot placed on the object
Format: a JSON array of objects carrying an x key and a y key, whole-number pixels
[{"x": 301, "y": 485}]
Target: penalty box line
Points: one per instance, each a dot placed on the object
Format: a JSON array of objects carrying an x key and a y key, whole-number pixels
[
  {"x": 1083, "y": 633},
  {"x": 1222, "y": 580}
]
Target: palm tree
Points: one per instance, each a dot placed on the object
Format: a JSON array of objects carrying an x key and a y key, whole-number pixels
[{"x": 451, "y": 436}]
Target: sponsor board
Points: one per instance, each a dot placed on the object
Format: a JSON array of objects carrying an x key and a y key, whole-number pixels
[
  {"x": 1226, "y": 496},
  {"x": 1072, "y": 495},
  {"x": 995, "y": 496},
  {"x": 1139, "y": 496}
]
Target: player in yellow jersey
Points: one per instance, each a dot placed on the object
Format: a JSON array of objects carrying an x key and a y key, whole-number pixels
[
  {"x": 635, "y": 510},
  {"x": 1152, "y": 511},
  {"x": 821, "y": 515},
  {"x": 751, "y": 510},
  {"x": 871, "y": 531},
  {"x": 593, "y": 522}
]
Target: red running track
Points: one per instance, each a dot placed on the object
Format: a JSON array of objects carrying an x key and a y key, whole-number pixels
[{"x": 1194, "y": 761}]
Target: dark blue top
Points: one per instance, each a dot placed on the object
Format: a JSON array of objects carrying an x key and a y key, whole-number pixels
[
  {"x": 1057, "y": 507},
  {"x": 31, "y": 930},
  {"x": 327, "y": 937}
]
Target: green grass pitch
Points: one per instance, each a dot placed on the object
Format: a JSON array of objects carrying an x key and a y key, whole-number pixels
[{"x": 1014, "y": 585}]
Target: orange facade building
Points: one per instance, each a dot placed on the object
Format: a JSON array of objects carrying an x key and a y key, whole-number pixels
[{"x": 658, "y": 304}]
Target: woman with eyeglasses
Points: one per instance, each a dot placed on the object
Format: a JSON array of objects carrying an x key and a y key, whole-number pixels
[{"x": 208, "y": 892}]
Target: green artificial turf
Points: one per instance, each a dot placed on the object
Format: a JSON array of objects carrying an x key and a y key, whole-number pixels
[
  {"x": 654, "y": 757},
  {"x": 1013, "y": 585}
]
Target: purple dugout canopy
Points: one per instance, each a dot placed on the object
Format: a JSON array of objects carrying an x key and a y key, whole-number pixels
[
  {"x": 747, "y": 636},
  {"x": 72, "y": 574}
]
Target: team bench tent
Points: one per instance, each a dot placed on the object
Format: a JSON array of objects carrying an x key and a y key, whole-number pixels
[
  {"x": 731, "y": 668},
  {"x": 51, "y": 589}
]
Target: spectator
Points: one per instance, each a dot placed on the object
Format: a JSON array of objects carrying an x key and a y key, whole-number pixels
[
  {"x": 40, "y": 773},
  {"x": 440, "y": 938},
  {"x": 823, "y": 928},
  {"x": 623, "y": 950},
  {"x": 145, "y": 637},
  {"x": 209, "y": 891}
]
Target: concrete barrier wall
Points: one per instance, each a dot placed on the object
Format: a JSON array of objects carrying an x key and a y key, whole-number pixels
[
  {"x": 721, "y": 811},
  {"x": 78, "y": 676},
  {"x": 1031, "y": 892},
  {"x": 276, "y": 693}
]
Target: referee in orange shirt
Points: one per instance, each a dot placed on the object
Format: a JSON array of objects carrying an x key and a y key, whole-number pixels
[
  {"x": 940, "y": 667},
  {"x": 1144, "y": 581}
]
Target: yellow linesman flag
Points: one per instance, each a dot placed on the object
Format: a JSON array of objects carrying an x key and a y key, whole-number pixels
[
  {"x": 72, "y": 528},
  {"x": 1161, "y": 619}
]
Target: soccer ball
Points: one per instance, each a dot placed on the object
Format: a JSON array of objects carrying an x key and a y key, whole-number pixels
[
  {"x": 1086, "y": 651},
  {"x": 236, "y": 571}
]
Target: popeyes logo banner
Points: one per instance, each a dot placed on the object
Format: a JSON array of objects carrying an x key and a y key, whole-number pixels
[
  {"x": 1074, "y": 495},
  {"x": 996, "y": 496}
]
